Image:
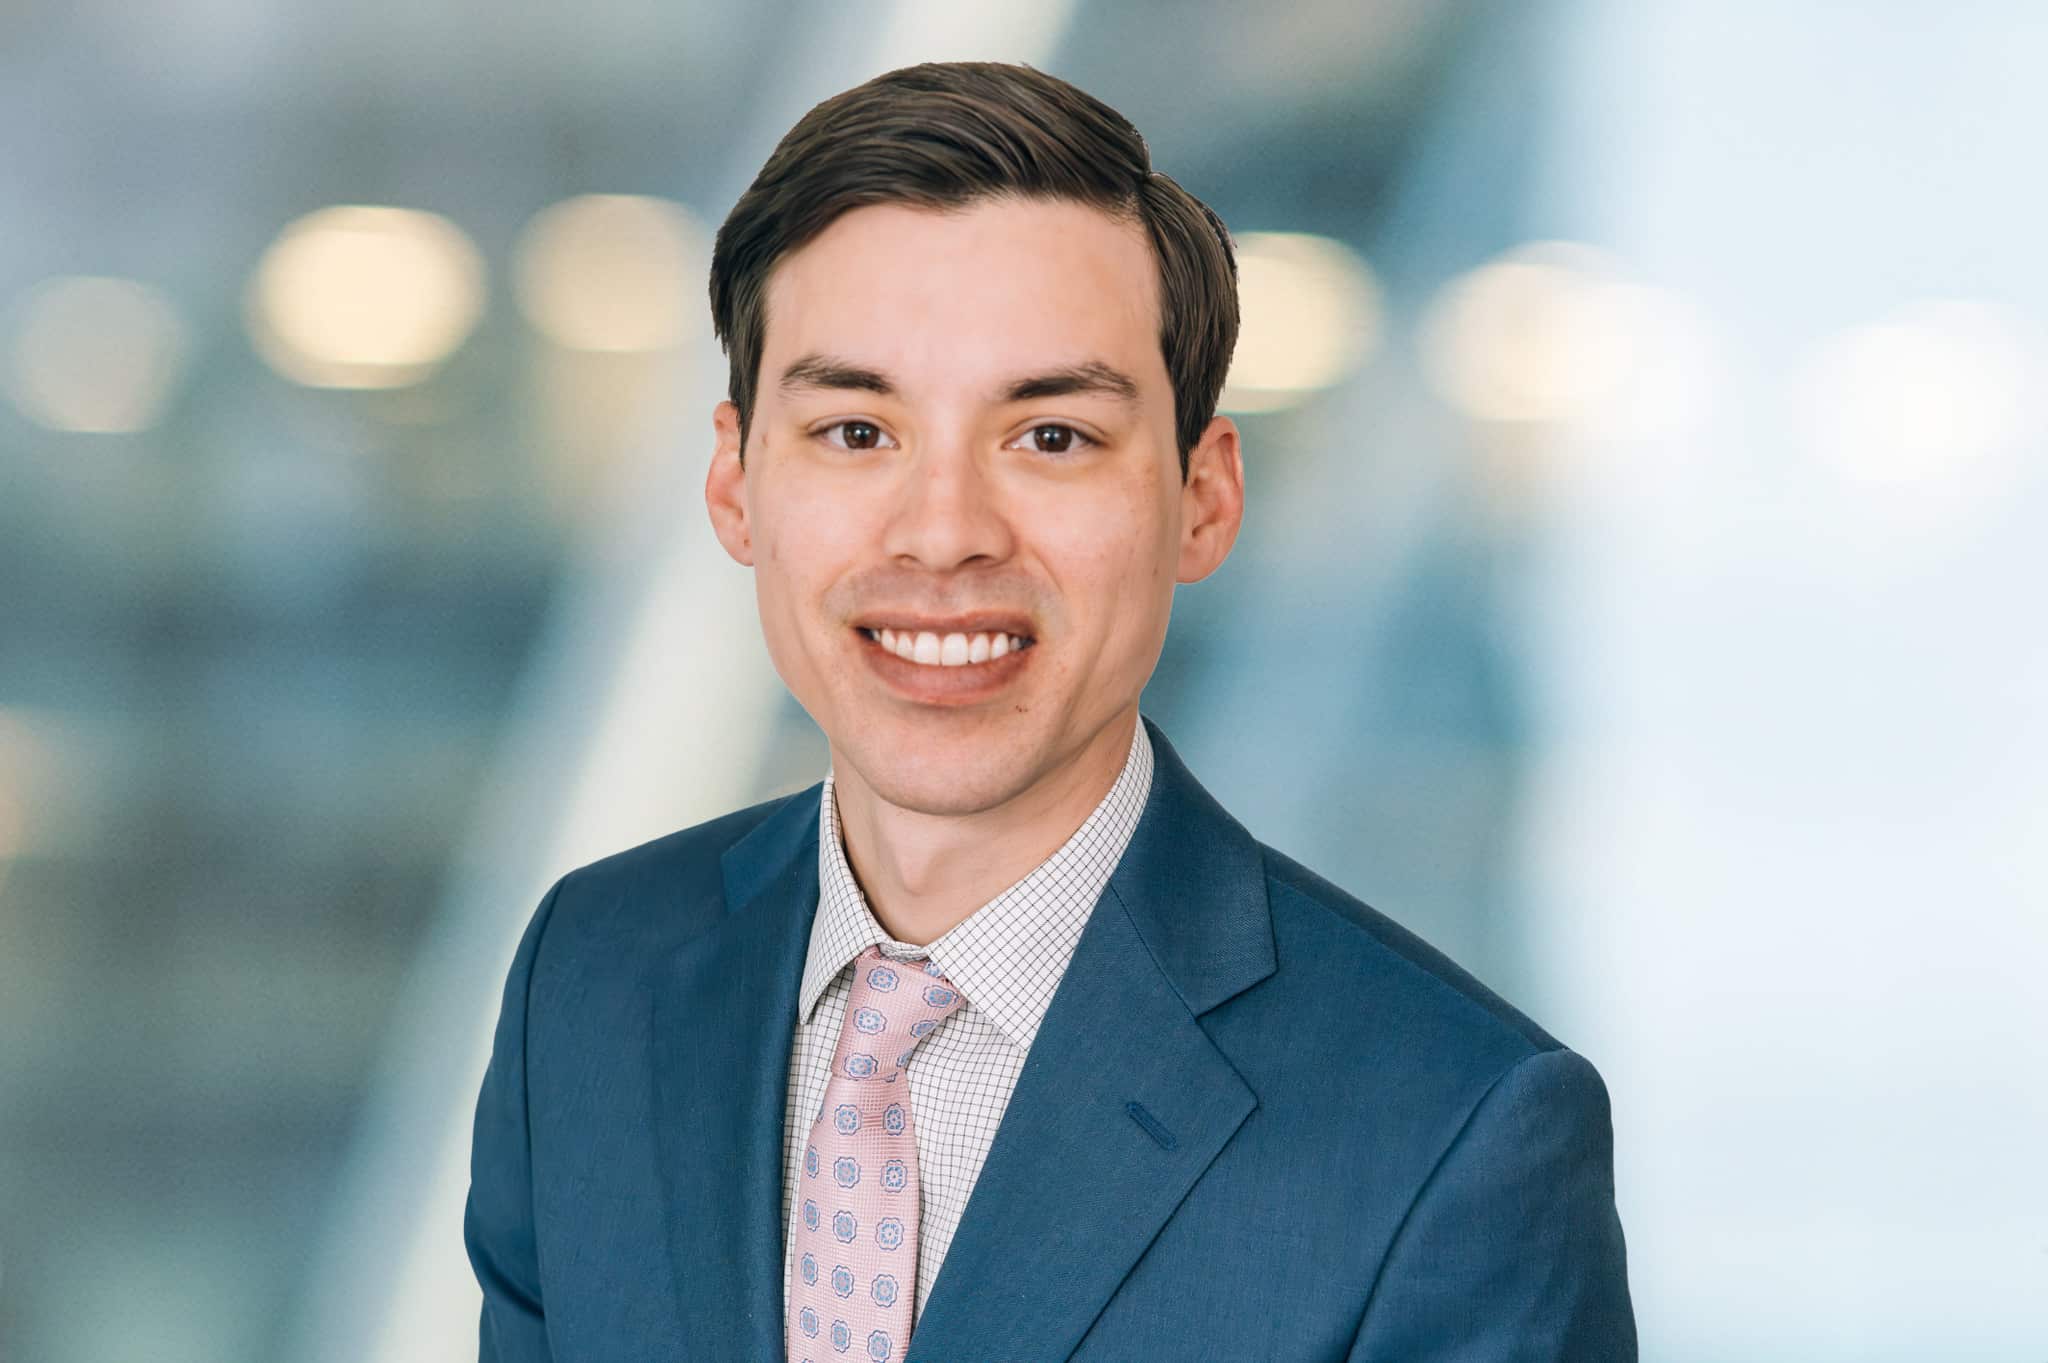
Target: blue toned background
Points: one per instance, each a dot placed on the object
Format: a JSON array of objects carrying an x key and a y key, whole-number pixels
[{"x": 1639, "y": 596}]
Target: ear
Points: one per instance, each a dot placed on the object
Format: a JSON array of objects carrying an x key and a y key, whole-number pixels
[
  {"x": 1211, "y": 501},
  {"x": 725, "y": 487}
]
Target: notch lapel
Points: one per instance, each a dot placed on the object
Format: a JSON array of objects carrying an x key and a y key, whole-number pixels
[
  {"x": 724, "y": 1015},
  {"x": 1124, "y": 1101}
]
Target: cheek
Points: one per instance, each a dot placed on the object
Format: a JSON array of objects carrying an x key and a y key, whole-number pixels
[
  {"x": 1115, "y": 553},
  {"x": 781, "y": 571},
  {"x": 796, "y": 532},
  {"x": 807, "y": 538}
]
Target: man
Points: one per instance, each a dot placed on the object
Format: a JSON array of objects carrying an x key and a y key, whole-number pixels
[{"x": 1006, "y": 1032}]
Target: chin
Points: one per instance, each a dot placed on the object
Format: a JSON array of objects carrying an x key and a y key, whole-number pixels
[{"x": 941, "y": 784}]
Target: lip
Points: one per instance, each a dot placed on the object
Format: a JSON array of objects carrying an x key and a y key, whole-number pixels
[{"x": 949, "y": 687}]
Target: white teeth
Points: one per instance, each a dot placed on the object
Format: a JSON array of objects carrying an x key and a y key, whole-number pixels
[{"x": 948, "y": 650}]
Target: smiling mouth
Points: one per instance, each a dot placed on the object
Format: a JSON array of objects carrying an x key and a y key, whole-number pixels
[{"x": 928, "y": 649}]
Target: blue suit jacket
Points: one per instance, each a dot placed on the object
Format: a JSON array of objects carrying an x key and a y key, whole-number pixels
[{"x": 1260, "y": 1121}]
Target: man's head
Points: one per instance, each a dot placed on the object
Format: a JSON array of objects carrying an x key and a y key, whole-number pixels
[
  {"x": 976, "y": 347},
  {"x": 948, "y": 134}
]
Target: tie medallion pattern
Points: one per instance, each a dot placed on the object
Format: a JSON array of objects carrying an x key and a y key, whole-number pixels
[{"x": 856, "y": 1238}]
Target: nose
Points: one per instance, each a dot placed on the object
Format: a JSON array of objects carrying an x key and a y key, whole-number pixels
[{"x": 948, "y": 513}]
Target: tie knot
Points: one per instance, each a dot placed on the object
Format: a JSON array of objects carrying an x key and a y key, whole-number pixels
[{"x": 894, "y": 1005}]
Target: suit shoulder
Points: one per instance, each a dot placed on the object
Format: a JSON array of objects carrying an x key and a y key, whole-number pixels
[
  {"x": 667, "y": 882},
  {"x": 1398, "y": 959},
  {"x": 664, "y": 855}
]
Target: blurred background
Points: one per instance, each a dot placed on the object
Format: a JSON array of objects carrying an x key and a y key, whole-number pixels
[{"x": 1640, "y": 596}]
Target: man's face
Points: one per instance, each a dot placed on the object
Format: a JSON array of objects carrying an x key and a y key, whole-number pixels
[{"x": 964, "y": 443}]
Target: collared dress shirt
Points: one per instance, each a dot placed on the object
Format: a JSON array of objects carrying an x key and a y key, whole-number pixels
[{"x": 1007, "y": 958}]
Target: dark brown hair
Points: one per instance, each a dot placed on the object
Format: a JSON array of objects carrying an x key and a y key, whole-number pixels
[{"x": 943, "y": 135}]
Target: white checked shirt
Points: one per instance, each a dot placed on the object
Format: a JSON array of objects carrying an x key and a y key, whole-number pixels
[{"x": 1006, "y": 958}]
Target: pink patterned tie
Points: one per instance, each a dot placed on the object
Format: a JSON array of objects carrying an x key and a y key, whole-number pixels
[{"x": 856, "y": 1235}]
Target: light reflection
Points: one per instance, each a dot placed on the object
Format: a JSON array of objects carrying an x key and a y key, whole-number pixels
[
  {"x": 95, "y": 354},
  {"x": 359, "y": 296},
  {"x": 610, "y": 272},
  {"x": 1538, "y": 335},
  {"x": 1934, "y": 392},
  {"x": 1310, "y": 314}
]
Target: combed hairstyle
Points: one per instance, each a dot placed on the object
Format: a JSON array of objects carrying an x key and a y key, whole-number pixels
[{"x": 944, "y": 135}]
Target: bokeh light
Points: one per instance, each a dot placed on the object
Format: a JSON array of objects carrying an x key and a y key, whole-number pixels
[
  {"x": 1538, "y": 335},
  {"x": 1310, "y": 316},
  {"x": 95, "y": 354},
  {"x": 611, "y": 272},
  {"x": 1937, "y": 391},
  {"x": 360, "y": 296}
]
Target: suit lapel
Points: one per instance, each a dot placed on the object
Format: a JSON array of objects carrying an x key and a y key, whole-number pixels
[
  {"x": 1124, "y": 1101},
  {"x": 724, "y": 1014}
]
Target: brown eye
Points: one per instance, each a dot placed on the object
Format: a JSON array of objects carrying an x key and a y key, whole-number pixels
[
  {"x": 853, "y": 435},
  {"x": 1054, "y": 439}
]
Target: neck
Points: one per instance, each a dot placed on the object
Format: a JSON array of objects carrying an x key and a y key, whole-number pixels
[{"x": 924, "y": 873}]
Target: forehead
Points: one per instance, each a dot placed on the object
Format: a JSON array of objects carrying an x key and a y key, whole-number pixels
[{"x": 964, "y": 294}]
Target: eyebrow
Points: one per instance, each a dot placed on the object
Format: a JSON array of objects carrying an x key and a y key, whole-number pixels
[{"x": 1089, "y": 378}]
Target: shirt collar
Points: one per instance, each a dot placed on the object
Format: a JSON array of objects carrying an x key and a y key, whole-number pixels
[{"x": 1043, "y": 913}]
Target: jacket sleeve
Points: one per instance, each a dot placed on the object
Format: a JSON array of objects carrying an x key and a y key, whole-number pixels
[
  {"x": 497, "y": 1226},
  {"x": 1512, "y": 1249}
]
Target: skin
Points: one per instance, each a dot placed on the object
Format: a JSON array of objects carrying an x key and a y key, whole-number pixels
[{"x": 945, "y": 496}]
